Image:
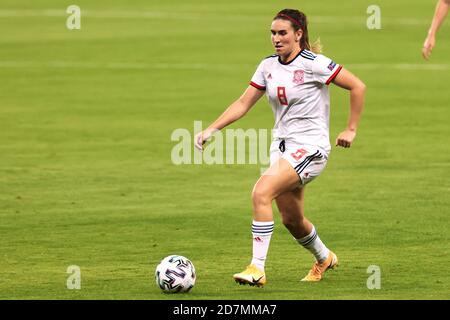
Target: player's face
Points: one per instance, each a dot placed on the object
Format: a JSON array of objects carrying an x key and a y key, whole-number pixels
[{"x": 284, "y": 38}]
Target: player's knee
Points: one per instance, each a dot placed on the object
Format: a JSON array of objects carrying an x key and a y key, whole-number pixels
[{"x": 260, "y": 196}]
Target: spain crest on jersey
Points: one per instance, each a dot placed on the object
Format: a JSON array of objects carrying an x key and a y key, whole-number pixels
[{"x": 299, "y": 77}]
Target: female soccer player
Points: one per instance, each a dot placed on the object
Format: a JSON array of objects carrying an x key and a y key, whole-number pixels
[
  {"x": 295, "y": 81},
  {"x": 440, "y": 13}
]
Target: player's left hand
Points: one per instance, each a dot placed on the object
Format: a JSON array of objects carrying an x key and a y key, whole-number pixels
[{"x": 345, "y": 138}]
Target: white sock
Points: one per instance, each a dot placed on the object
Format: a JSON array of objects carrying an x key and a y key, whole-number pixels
[
  {"x": 262, "y": 232},
  {"x": 313, "y": 243}
]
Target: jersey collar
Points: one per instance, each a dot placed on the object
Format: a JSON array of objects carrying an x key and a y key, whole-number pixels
[{"x": 289, "y": 62}]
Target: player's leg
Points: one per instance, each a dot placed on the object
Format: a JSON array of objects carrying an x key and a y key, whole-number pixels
[
  {"x": 291, "y": 207},
  {"x": 279, "y": 178}
]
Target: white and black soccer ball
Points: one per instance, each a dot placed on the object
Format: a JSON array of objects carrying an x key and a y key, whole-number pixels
[{"x": 175, "y": 274}]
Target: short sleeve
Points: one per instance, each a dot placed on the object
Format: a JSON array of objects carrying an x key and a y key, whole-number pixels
[
  {"x": 258, "y": 81},
  {"x": 324, "y": 69}
]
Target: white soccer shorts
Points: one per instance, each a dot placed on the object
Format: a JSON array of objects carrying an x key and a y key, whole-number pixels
[{"x": 308, "y": 161}]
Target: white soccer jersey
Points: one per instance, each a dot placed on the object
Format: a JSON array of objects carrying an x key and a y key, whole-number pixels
[{"x": 298, "y": 94}]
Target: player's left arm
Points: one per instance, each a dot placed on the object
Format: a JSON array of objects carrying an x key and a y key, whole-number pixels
[{"x": 345, "y": 79}]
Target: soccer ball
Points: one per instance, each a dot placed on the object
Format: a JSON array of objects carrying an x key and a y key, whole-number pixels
[{"x": 175, "y": 274}]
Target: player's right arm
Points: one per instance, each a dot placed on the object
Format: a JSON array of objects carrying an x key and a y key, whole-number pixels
[
  {"x": 233, "y": 113},
  {"x": 440, "y": 13}
]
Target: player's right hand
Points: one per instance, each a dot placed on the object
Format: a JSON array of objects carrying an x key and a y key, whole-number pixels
[
  {"x": 201, "y": 138},
  {"x": 428, "y": 46}
]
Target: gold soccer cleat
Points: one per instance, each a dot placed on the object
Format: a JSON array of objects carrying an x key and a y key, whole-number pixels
[
  {"x": 318, "y": 269},
  {"x": 251, "y": 276}
]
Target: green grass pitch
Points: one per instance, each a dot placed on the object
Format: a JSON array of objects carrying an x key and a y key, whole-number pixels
[{"x": 86, "y": 176}]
